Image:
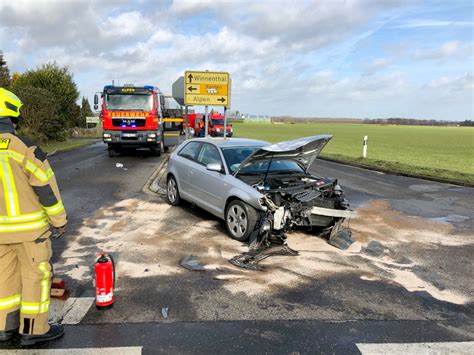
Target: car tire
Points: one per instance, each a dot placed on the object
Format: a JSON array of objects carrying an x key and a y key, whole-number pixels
[
  {"x": 240, "y": 220},
  {"x": 172, "y": 191}
]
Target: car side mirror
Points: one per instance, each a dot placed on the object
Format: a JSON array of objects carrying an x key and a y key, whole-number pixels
[
  {"x": 214, "y": 167},
  {"x": 96, "y": 99}
]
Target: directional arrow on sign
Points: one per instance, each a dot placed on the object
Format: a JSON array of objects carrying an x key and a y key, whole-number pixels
[
  {"x": 192, "y": 88},
  {"x": 190, "y": 77},
  {"x": 221, "y": 99}
]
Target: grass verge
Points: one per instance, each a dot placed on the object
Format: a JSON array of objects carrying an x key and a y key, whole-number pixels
[
  {"x": 437, "y": 153},
  {"x": 66, "y": 145}
]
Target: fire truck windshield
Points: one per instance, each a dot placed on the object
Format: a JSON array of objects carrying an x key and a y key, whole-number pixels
[{"x": 121, "y": 102}]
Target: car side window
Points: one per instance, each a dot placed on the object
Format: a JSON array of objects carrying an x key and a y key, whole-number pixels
[
  {"x": 190, "y": 150},
  {"x": 209, "y": 154}
]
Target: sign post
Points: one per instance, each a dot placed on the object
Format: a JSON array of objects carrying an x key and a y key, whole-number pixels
[
  {"x": 186, "y": 122},
  {"x": 206, "y": 122},
  {"x": 364, "y": 147},
  {"x": 225, "y": 123}
]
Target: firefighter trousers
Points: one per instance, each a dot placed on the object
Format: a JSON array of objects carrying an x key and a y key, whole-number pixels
[{"x": 25, "y": 283}]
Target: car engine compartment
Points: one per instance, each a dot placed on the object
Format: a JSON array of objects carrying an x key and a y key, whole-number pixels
[
  {"x": 292, "y": 200},
  {"x": 292, "y": 196}
]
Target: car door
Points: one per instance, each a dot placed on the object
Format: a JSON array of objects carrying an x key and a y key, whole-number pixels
[
  {"x": 184, "y": 163},
  {"x": 209, "y": 185}
]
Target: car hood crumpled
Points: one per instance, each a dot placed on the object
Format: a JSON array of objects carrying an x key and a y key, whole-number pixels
[{"x": 304, "y": 150}]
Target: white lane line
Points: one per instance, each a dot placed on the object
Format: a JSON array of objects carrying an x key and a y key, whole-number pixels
[
  {"x": 132, "y": 350},
  {"x": 70, "y": 311},
  {"x": 418, "y": 348}
]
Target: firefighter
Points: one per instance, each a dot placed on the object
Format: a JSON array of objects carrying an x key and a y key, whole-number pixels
[
  {"x": 202, "y": 127},
  {"x": 29, "y": 204}
]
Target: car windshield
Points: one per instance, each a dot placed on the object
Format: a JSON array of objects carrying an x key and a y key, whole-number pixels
[
  {"x": 129, "y": 102},
  {"x": 283, "y": 166},
  {"x": 236, "y": 155},
  {"x": 217, "y": 122}
]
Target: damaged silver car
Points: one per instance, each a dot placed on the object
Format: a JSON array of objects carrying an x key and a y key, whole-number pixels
[{"x": 260, "y": 190}]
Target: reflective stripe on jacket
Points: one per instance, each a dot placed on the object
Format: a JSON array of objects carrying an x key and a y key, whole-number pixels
[{"x": 29, "y": 196}]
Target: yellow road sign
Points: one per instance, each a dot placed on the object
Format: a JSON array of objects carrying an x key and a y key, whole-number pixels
[{"x": 207, "y": 88}]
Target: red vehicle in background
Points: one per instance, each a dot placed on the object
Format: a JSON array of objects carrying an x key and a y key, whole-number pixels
[{"x": 216, "y": 125}]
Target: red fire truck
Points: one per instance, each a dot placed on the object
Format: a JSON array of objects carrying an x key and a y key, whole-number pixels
[
  {"x": 216, "y": 124},
  {"x": 136, "y": 117}
]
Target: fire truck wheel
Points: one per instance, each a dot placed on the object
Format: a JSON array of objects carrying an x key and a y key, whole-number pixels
[
  {"x": 172, "y": 192},
  {"x": 113, "y": 152},
  {"x": 156, "y": 151}
]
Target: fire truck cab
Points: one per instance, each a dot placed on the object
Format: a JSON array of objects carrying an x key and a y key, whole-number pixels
[{"x": 132, "y": 118}]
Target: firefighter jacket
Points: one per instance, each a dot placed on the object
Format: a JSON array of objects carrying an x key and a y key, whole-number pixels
[{"x": 29, "y": 196}]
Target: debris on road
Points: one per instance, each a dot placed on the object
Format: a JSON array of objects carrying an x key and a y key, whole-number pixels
[
  {"x": 50, "y": 154},
  {"x": 273, "y": 246},
  {"x": 118, "y": 165},
  {"x": 191, "y": 262},
  {"x": 164, "y": 312},
  {"x": 57, "y": 288},
  {"x": 340, "y": 237}
]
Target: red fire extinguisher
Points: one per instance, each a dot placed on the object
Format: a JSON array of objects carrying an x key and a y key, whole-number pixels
[{"x": 104, "y": 269}]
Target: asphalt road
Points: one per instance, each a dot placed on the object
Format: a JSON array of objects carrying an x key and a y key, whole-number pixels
[{"x": 408, "y": 279}]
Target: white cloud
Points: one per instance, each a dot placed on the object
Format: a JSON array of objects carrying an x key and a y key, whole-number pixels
[
  {"x": 450, "y": 49},
  {"x": 126, "y": 24},
  {"x": 276, "y": 51},
  {"x": 376, "y": 65},
  {"x": 420, "y": 23}
]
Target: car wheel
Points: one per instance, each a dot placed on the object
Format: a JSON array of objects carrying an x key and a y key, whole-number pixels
[
  {"x": 172, "y": 192},
  {"x": 240, "y": 220}
]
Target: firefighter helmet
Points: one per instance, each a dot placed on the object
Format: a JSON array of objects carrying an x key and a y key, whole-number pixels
[{"x": 10, "y": 104}]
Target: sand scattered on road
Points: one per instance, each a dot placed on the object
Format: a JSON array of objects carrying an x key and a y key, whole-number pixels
[{"x": 139, "y": 230}]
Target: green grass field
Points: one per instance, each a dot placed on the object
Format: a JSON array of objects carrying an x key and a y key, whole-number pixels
[
  {"x": 445, "y": 153},
  {"x": 65, "y": 146}
]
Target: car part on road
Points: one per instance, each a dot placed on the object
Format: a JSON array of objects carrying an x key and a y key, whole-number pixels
[
  {"x": 340, "y": 237},
  {"x": 271, "y": 246},
  {"x": 191, "y": 262}
]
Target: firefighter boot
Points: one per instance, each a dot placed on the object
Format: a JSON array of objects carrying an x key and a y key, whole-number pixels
[
  {"x": 55, "y": 331},
  {"x": 7, "y": 335}
]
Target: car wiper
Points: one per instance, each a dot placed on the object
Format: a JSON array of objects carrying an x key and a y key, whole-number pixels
[
  {"x": 284, "y": 172},
  {"x": 248, "y": 173}
]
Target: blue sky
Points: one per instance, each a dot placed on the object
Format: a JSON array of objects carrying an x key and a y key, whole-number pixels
[{"x": 326, "y": 58}]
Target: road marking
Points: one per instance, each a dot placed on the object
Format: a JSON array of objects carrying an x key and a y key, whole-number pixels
[
  {"x": 70, "y": 311},
  {"x": 132, "y": 350},
  {"x": 418, "y": 348}
]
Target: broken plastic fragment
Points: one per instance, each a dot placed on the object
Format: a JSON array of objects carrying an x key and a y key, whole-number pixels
[
  {"x": 164, "y": 312},
  {"x": 191, "y": 262},
  {"x": 118, "y": 165}
]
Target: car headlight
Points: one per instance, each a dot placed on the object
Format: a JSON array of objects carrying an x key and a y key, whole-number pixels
[
  {"x": 151, "y": 135},
  {"x": 107, "y": 135}
]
